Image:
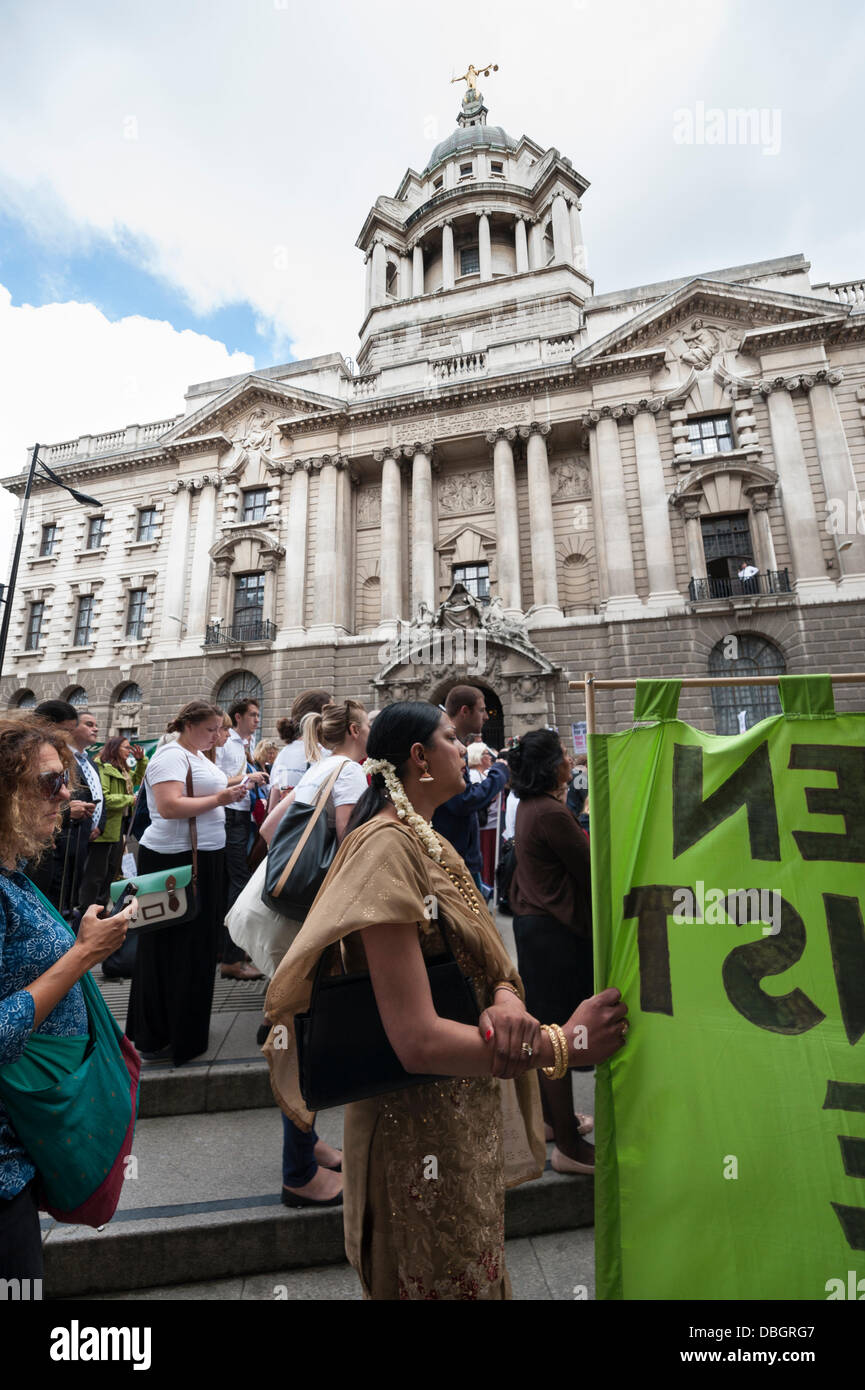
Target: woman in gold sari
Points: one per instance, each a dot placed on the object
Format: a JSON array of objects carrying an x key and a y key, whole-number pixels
[{"x": 425, "y": 1168}]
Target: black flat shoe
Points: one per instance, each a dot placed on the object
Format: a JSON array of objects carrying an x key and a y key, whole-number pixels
[{"x": 289, "y": 1199}]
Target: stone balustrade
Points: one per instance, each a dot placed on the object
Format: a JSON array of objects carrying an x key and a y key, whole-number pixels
[
  {"x": 844, "y": 292},
  {"x": 464, "y": 364},
  {"x": 132, "y": 437},
  {"x": 364, "y": 386}
]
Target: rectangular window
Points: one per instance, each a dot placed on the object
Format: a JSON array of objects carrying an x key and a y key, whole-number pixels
[
  {"x": 248, "y": 601},
  {"x": 146, "y": 524},
  {"x": 497, "y": 167},
  {"x": 254, "y": 503},
  {"x": 727, "y": 537},
  {"x": 476, "y": 579},
  {"x": 34, "y": 627},
  {"x": 128, "y": 732},
  {"x": 466, "y": 171},
  {"x": 470, "y": 260},
  {"x": 438, "y": 183},
  {"x": 135, "y": 613},
  {"x": 84, "y": 621},
  {"x": 711, "y": 435},
  {"x": 49, "y": 539},
  {"x": 95, "y": 532}
]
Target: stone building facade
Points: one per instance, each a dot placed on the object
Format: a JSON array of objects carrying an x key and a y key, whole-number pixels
[{"x": 520, "y": 478}]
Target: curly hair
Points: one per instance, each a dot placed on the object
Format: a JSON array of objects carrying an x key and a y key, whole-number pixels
[
  {"x": 535, "y": 763},
  {"x": 21, "y": 738}
]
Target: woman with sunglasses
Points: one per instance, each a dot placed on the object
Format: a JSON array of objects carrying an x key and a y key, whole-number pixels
[{"x": 40, "y": 961}]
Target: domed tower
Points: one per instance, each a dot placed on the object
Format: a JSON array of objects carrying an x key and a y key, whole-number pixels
[{"x": 481, "y": 252}]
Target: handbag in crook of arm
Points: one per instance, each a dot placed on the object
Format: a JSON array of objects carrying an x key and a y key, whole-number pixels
[
  {"x": 343, "y": 1051},
  {"x": 170, "y": 896}
]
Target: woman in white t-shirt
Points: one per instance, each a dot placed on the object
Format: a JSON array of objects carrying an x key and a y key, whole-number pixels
[
  {"x": 311, "y": 1169},
  {"x": 172, "y": 988},
  {"x": 290, "y": 762}
]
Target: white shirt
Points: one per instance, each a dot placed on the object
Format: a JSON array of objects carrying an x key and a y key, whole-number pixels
[
  {"x": 348, "y": 789},
  {"x": 477, "y": 774},
  {"x": 511, "y": 805},
  {"x": 289, "y": 765},
  {"x": 232, "y": 758},
  {"x": 91, "y": 777},
  {"x": 169, "y": 764}
]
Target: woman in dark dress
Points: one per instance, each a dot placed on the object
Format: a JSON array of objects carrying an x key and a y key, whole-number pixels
[
  {"x": 551, "y": 898},
  {"x": 172, "y": 988}
]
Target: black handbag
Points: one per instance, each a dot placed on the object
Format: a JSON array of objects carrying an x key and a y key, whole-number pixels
[
  {"x": 301, "y": 852},
  {"x": 343, "y": 1052}
]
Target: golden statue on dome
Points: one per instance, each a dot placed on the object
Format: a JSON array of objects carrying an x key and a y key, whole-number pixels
[{"x": 471, "y": 79}]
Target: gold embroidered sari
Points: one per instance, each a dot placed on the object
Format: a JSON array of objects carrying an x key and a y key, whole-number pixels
[{"x": 424, "y": 1169}]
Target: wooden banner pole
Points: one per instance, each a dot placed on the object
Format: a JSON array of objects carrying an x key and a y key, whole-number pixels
[{"x": 589, "y": 686}]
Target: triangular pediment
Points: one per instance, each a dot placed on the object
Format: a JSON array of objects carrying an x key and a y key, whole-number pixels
[
  {"x": 705, "y": 318},
  {"x": 252, "y": 401}
]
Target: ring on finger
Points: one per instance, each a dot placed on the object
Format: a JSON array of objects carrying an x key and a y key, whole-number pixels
[{"x": 526, "y": 1049}]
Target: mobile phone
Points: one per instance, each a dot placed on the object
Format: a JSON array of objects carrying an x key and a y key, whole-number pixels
[{"x": 129, "y": 892}]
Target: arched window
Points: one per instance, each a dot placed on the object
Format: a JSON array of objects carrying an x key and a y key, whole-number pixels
[
  {"x": 370, "y": 602},
  {"x": 738, "y": 706},
  {"x": 130, "y": 695},
  {"x": 25, "y": 699},
  {"x": 77, "y": 696},
  {"x": 241, "y": 685},
  {"x": 390, "y": 279},
  {"x": 549, "y": 244},
  {"x": 578, "y": 583}
]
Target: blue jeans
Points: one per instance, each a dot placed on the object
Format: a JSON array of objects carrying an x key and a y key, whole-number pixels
[{"x": 298, "y": 1165}]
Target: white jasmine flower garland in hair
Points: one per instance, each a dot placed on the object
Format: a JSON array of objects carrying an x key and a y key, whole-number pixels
[{"x": 403, "y": 807}]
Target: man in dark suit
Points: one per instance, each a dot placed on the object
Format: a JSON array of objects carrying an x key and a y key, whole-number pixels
[
  {"x": 457, "y": 819},
  {"x": 60, "y": 873}
]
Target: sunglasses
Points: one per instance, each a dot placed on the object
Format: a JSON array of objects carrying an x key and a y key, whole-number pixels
[{"x": 50, "y": 783}]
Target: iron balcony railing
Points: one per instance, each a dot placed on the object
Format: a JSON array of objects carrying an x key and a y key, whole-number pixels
[
  {"x": 770, "y": 582},
  {"x": 236, "y": 634}
]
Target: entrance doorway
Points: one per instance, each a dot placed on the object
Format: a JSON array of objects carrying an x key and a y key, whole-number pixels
[{"x": 493, "y": 731}]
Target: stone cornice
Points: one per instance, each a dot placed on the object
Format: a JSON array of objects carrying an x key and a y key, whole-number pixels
[
  {"x": 830, "y": 330},
  {"x": 828, "y": 376}
]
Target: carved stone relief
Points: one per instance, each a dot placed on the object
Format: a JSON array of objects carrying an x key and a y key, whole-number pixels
[
  {"x": 466, "y": 492},
  {"x": 369, "y": 506},
  {"x": 570, "y": 477}
]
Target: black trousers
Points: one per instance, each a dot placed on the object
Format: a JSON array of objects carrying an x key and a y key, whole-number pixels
[
  {"x": 103, "y": 861},
  {"x": 238, "y": 825},
  {"x": 20, "y": 1237}
]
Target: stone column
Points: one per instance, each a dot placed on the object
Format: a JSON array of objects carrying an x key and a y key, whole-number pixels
[
  {"x": 368, "y": 290},
  {"x": 842, "y": 494},
  {"x": 577, "y": 236},
  {"x": 536, "y": 243},
  {"x": 564, "y": 251},
  {"x": 270, "y": 565},
  {"x": 379, "y": 272},
  {"x": 447, "y": 256},
  {"x": 521, "y": 245},
  {"x": 507, "y": 525},
  {"x": 694, "y": 537},
  {"x": 622, "y": 601},
  {"x": 221, "y": 607},
  {"x": 764, "y": 544},
  {"x": 175, "y": 565},
  {"x": 803, "y": 528},
  {"x": 295, "y": 548},
  {"x": 324, "y": 610},
  {"x": 590, "y": 421},
  {"x": 390, "y": 562},
  {"x": 346, "y": 481},
  {"x": 545, "y": 582},
  {"x": 406, "y": 272},
  {"x": 655, "y": 510},
  {"x": 199, "y": 581},
  {"x": 423, "y": 575},
  {"x": 485, "y": 256},
  {"x": 417, "y": 286}
]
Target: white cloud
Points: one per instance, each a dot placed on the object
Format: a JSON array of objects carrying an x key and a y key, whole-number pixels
[{"x": 67, "y": 370}]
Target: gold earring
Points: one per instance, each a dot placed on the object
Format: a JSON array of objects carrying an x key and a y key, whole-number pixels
[{"x": 427, "y": 777}]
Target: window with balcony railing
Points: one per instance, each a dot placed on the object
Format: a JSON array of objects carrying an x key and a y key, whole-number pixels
[{"x": 248, "y": 602}]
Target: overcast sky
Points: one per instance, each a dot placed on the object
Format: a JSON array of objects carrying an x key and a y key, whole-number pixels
[{"x": 182, "y": 181}]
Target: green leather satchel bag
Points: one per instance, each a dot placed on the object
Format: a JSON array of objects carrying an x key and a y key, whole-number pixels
[{"x": 169, "y": 897}]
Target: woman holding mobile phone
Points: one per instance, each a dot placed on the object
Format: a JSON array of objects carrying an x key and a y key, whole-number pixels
[
  {"x": 172, "y": 988},
  {"x": 41, "y": 962}
]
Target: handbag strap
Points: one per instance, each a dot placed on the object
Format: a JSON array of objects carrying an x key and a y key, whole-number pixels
[
  {"x": 193, "y": 828},
  {"x": 321, "y": 800}
]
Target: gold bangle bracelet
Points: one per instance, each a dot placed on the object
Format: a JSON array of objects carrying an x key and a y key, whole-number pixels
[
  {"x": 505, "y": 984},
  {"x": 559, "y": 1067}
]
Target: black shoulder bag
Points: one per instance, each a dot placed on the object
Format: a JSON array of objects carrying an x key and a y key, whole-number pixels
[{"x": 343, "y": 1052}]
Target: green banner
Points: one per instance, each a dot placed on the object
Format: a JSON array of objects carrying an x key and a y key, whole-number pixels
[{"x": 728, "y": 879}]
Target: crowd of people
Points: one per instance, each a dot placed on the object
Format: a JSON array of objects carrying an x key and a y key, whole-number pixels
[{"x": 415, "y": 803}]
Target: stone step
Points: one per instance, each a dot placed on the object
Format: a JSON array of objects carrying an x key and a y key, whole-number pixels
[{"x": 202, "y": 1202}]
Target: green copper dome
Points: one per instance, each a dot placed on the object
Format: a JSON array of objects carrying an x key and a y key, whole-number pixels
[{"x": 471, "y": 137}]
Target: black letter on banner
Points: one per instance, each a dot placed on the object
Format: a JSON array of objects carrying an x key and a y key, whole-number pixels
[
  {"x": 652, "y": 906},
  {"x": 750, "y": 785},
  {"x": 746, "y": 966},
  {"x": 847, "y": 941},
  {"x": 846, "y": 800}
]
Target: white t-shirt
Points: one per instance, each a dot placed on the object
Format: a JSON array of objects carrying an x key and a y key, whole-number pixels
[
  {"x": 511, "y": 805},
  {"x": 232, "y": 758},
  {"x": 348, "y": 789},
  {"x": 169, "y": 764},
  {"x": 289, "y": 765}
]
